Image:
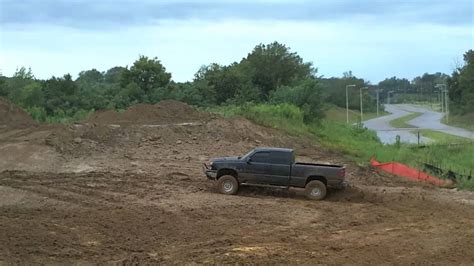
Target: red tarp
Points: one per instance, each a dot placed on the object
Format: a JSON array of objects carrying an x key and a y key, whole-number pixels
[{"x": 408, "y": 172}]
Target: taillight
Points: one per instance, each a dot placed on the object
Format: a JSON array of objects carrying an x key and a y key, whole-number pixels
[{"x": 342, "y": 173}]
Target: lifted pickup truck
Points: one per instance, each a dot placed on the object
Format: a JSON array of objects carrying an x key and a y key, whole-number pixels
[{"x": 274, "y": 167}]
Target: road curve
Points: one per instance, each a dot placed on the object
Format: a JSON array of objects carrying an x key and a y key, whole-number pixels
[
  {"x": 432, "y": 120},
  {"x": 388, "y": 134},
  {"x": 427, "y": 120}
]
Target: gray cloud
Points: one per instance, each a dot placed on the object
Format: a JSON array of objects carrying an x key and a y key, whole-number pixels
[{"x": 122, "y": 13}]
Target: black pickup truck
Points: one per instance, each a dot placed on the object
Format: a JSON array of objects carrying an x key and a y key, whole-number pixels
[{"x": 274, "y": 167}]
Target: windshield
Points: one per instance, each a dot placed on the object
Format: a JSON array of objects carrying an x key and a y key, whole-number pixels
[{"x": 246, "y": 155}]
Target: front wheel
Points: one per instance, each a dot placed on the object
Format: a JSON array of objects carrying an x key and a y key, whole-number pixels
[
  {"x": 228, "y": 185},
  {"x": 315, "y": 190}
]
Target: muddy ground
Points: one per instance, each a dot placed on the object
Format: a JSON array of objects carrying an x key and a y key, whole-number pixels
[{"x": 116, "y": 189}]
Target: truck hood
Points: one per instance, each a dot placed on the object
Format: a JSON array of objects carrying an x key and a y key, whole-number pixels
[{"x": 226, "y": 159}]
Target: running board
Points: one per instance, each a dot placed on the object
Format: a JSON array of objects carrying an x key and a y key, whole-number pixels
[{"x": 262, "y": 185}]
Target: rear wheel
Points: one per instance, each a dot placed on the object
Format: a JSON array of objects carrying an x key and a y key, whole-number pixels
[
  {"x": 315, "y": 190},
  {"x": 228, "y": 185}
]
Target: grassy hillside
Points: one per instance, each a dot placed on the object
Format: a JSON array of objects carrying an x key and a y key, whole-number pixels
[
  {"x": 338, "y": 114},
  {"x": 357, "y": 143},
  {"x": 464, "y": 121},
  {"x": 442, "y": 138}
]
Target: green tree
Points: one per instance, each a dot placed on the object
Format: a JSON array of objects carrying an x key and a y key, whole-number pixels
[
  {"x": 114, "y": 75},
  {"x": 147, "y": 74},
  {"x": 90, "y": 77},
  {"x": 131, "y": 94},
  {"x": 225, "y": 83},
  {"x": 61, "y": 96},
  {"x": 3, "y": 87},
  {"x": 15, "y": 85},
  {"x": 461, "y": 86},
  {"x": 274, "y": 65},
  {"x": 31, "y": 95},
  {"x": 334, "y": 91},
  {"x": 23, "y": 73},
  {"x": 306, "y": 95}
]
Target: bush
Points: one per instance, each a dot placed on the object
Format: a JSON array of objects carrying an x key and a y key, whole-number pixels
[
  {"x": 306, "y": 95},
  {"x": 37, "y": 113}
]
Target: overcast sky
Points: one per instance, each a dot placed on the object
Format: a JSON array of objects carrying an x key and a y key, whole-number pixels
[{"x": 373, "y": 38}]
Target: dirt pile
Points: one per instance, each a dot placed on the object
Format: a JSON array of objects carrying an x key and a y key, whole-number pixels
[
  {"x": 158, "y": 129},
  {"x": 164, "y": 112},
  {"x": 13, "y": 116},
  {"x": 87, "y": 139}
]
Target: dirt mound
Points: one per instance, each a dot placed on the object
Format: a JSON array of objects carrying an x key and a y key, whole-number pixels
[
  {"x": 164, "y": 112},
  {"x": 13, "y": 116}
]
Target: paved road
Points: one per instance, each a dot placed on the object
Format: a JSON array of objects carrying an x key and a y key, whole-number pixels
[
  {"x": 428, "y": 120},
  {"x": 432, "y": 120}
]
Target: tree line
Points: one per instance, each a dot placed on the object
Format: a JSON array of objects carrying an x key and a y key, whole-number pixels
[
  {"x": 461, "y": 86},
  {"x": 270, "y": 73}
]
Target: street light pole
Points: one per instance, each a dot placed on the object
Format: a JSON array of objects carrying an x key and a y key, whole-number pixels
[
  {"x": 388, "y": 93},
  {"x": 446, "y": 98},
  {"x": 361, "y": 109},
  {"x": 441, "y": 102},
  {"x": 347, "y": 102},
  {"x": 377, "y": 102},
  {"x": 443, "y": 89}
]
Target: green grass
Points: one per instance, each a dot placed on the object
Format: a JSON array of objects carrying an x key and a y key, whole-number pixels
[
  {"x": 402, "y": 122},
  {"x": 338, "y": 114},
  {"x": 441, "y": 137},
  {"x": 463, "y": 121},
  {"x": 434, "y": 106},
  {"x": 357, "y": 143}
]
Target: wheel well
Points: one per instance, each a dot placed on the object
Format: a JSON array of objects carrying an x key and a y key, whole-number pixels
[
  {"x": 226, "y": 171},
  {"x": 320, "y": 178}
]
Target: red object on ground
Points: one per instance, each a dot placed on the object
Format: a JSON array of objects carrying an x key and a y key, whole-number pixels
[{"x": 408, "y": 172}]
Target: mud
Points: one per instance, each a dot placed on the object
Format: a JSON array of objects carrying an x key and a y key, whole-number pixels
[
  {"x": 13, "y": 116},
  {"x": 132, "y": 193}
]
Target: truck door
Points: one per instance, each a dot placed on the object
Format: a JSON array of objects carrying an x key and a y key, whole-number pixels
[
  {"x": 279, "y": 168},
  {"x": 255, "y": 169}
]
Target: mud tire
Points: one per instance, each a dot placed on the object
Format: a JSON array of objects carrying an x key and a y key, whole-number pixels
[
  {"x": 315, "y": 190},
  {"x": 228, "y": 185}
]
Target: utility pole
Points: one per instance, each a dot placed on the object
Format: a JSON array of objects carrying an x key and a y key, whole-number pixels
[
  {"x": 446, "y": 98},
  {"x": 442, "y": 100},
  {"x": 443, "y": 89},
  {"x": 347, "y": 101},
  {"x": 440, "y": 93},
  {"x": 377, "y": 102},
  {"x": 388, "y": 100},
  {"x": 361, "y": 109}
]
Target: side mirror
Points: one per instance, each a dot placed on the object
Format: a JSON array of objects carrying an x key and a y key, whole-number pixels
[{"x": 248, "y": 160}]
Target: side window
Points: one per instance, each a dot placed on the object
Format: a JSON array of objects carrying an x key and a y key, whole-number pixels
[
  {"x": 261, "y": 157},
  {"x": 280, "y": 157}
]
